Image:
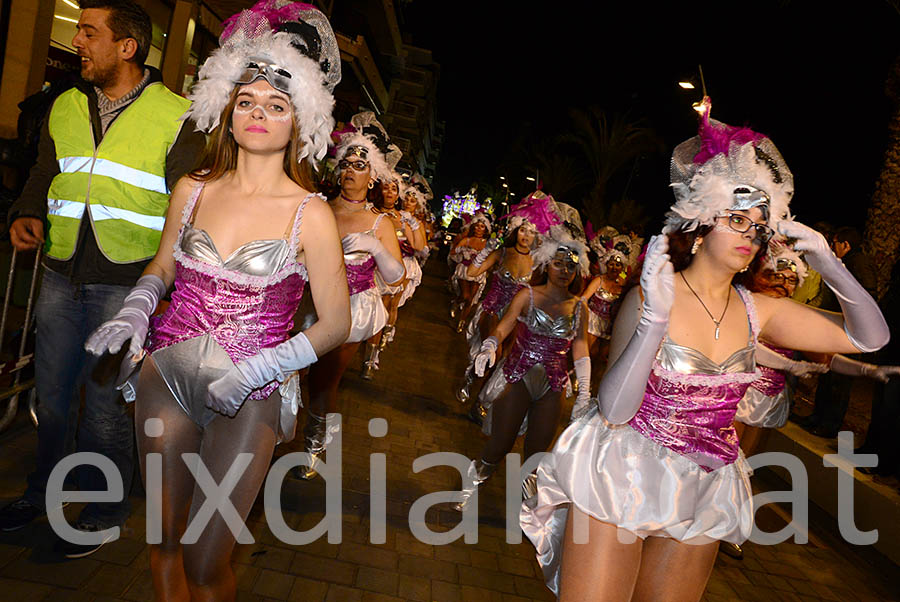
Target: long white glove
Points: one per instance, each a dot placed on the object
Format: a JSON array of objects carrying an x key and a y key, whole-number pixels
[
  {"x": 767, "y": 357},
  {"x": 844, "y": 365},
  {"x": 392, "y": 271},
  {"x": 489, "y": 247},
  {"x": 486, "y": 356},
  {"x": 863, "y": 322},
  {"x": 622, "y": 388},
  {"x": 227, "y": 394},
  {"x": 132, "y": 321},
  {"x": 583, "y": 377},
  {"x": 407, "y": 218}
]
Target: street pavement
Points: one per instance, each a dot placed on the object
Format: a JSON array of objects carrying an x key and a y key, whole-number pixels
[{"x": 413, "y": 392}]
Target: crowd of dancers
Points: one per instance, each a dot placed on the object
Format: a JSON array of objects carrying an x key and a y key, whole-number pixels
[{"x": 670, "y": 349}]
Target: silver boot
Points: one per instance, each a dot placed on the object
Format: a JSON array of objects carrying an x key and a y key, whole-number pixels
[
  {"x": 314, "y": 434},
  {"x": 479, "y": 472},
  {"x": 387, "y": 335},
  {"x": 529, "y": 486},
  {"x": 371, "y": 364},
  {"x": 462, "y": 394}
]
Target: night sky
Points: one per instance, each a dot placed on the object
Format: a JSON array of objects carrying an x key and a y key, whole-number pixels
[{"x": 809, "y": 75}]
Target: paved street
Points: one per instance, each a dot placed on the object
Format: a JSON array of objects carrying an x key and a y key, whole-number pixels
[{"x": 413, "y": 392}]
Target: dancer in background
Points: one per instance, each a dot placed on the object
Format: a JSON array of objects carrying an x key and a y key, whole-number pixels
[
  {"x": 413, "y": 198},
  {"x": 653, "y": 479},
  {"x": 242, "y": 238},
  {"x": 463, "y": 252},
  {"x": 364, "y": 156},
  {"x": 526, "y": 390}
]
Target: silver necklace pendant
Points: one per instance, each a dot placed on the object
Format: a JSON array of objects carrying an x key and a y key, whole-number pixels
[{"x": 717, "y": 331}]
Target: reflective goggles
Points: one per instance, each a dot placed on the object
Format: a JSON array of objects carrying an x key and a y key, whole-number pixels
[{"x": 278, "y": 77}]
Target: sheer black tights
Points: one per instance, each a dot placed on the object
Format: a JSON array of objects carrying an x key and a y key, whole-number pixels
[
  {"x": 508, "y": 412},
  {"x": 202, "y": 570}
]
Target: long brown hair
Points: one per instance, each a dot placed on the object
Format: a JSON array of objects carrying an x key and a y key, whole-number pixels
[{"x": 221, "y": 151}]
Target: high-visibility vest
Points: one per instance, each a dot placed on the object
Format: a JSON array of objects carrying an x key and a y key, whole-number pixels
[{"x": 120, "y": 184}]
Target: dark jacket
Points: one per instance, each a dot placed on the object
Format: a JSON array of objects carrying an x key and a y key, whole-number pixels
[{"x": 88, "y": 265}]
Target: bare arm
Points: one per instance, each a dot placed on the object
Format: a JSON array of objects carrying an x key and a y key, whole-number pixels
[
  {"x": 321, "y": 247},
  {"x": 792, "y": 325},
  {"x": 474, "y": 271},
  {"x": 516, "y": 308},
  {"x": 579, "y": 344},
  {"x": 592, "y": 287},
  {"x": 388, "y": 237},
  {"x": 163, "y": 263},
  {"x": 625, "y": 324}
]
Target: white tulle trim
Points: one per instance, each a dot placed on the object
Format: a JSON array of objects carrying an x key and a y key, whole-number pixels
[{"x": 708, "y": 380}]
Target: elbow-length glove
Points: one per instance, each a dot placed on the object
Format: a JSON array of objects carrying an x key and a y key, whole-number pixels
[
  {"x": 132, "y": 321},
  {"x": 489, "y": 247},
  {"x": 486, "y": 356},
  {"x": 767, "y": 357},
  {"x": 622, "y": 388},
  {"x": 863, "y": 322},
  {"x": 391, "y": 270},
  {"x": 227, "y": 394},
  {"x": 583, "y": 377},
  {"x": 844, "y": 365}
]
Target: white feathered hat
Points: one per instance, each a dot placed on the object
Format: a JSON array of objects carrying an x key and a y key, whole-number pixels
[
  {"x": 726, "y": 167},
  {"x": 291, "y": 39},
  {"x": 370, "y": 140},
  {"x": 560, "y": 239},
  {"x": 783, "y": 256}
]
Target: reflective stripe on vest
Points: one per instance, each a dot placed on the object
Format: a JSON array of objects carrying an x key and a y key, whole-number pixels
[
  {"x": 120, "y": 184},
  {"x": 105, "y": 167}
]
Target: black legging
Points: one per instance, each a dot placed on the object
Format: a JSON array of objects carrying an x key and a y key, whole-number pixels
[{"x": 253, "y": 430}]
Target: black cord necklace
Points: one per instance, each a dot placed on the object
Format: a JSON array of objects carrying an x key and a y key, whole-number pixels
[{"x": 709, "y": 313}]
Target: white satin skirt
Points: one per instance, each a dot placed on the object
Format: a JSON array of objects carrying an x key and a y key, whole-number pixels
[
  {"x": 367, "y": 315},
  {"x": 460, "y": 273},
  {"x": 758, "y": 409},
  {"x": 599, "y": 327},
  {"x": 385, "y": 289},
  {"x": 413, "y": 278},
  {"x": 618, "y": 476}
]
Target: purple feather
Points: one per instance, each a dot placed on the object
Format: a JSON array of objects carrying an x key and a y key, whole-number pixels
[{"x": 717, "y": 138}]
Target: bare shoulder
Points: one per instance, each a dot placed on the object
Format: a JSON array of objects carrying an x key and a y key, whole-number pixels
[{"x": 317, "y": 211}]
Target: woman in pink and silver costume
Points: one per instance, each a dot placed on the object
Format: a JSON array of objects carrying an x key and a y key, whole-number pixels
[
  {"x": 365, "y": 156},
  {"x": 525, "y": 392},
  {"x": 514, "y": 266},
  {"x": 410, "y": 237},
  {"x": 463, "y": 253},
  {"x": 767, "y": 403},
  {"x": 413, "y": 198},
  {"x": 243, "y": 237},
  {"x": 604, "y": 294},
  {"x": 653, "y": 479}
]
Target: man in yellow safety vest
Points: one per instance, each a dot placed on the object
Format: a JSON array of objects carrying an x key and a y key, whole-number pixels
[{"x": 110, "y": 151}]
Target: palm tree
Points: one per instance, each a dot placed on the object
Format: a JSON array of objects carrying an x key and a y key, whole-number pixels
[
  {"x": 608, "y": 145},
  {"x": 882, "y": 238}
]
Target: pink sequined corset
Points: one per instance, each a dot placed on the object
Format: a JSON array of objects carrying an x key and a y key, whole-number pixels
[
  {"x": 503, "y": 288},
  {"x": 361, "y": 276},
  {"x": 690, "y": 401},
  {"x": 245, "y": 302},
  {"x": 541, "y": 339},
  {"x": 771, "y": 381}
]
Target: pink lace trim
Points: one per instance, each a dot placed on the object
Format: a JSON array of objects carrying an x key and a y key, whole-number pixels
[
  {"x": 747, "y": 298},
  {"x": 726, "y": 378}
]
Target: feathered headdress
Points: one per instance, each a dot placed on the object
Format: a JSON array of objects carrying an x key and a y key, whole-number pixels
[
  {"x": 536, "y": 209},
  {"x": 557, "y": 239},
  {"x": 599, "y": 242},
  {"x": 368, "y": 138},
  {"x": 783, "y": 256},
  {"x": 726, "y": 167},
  {"x": 294, "y": 37},
  {"x": 476, "y": 218}
]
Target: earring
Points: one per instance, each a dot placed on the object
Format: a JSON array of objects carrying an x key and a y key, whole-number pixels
[
  {"x": 696, "y": 245},
  {"x": 746, "y": 267},
  {"x": 371, "y": 184}
]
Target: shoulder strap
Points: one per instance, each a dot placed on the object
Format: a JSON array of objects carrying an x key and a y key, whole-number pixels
[
  {"x": 193, "y": 203},
  {"x": 378, "y": 221},
  {"x": 295, "y": 226},
  {"x": 531, "y": 295}
]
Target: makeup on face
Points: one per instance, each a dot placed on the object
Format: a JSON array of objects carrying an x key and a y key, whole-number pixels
[{"x": 273, "y": 105}]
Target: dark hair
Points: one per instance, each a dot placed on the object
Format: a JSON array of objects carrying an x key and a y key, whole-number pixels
[
  {"x": 681, "y": 242},
  {"x": 126, "y": 20},
  {"x": 513, "y": 238},
  {"x": 849, "y": 234},
  {"x": 220, "y": 154},
  {"x": 575, "y": 287},
  {"x": 376, "y": 195}
]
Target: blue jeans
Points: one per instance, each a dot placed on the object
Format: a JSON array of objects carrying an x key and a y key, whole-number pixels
[{"x": 65, "y": 316}]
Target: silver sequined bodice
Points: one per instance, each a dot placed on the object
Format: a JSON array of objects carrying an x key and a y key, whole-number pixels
[
  {"x": 256, "y": 258},
  {"x": 540, "y": 322}
]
